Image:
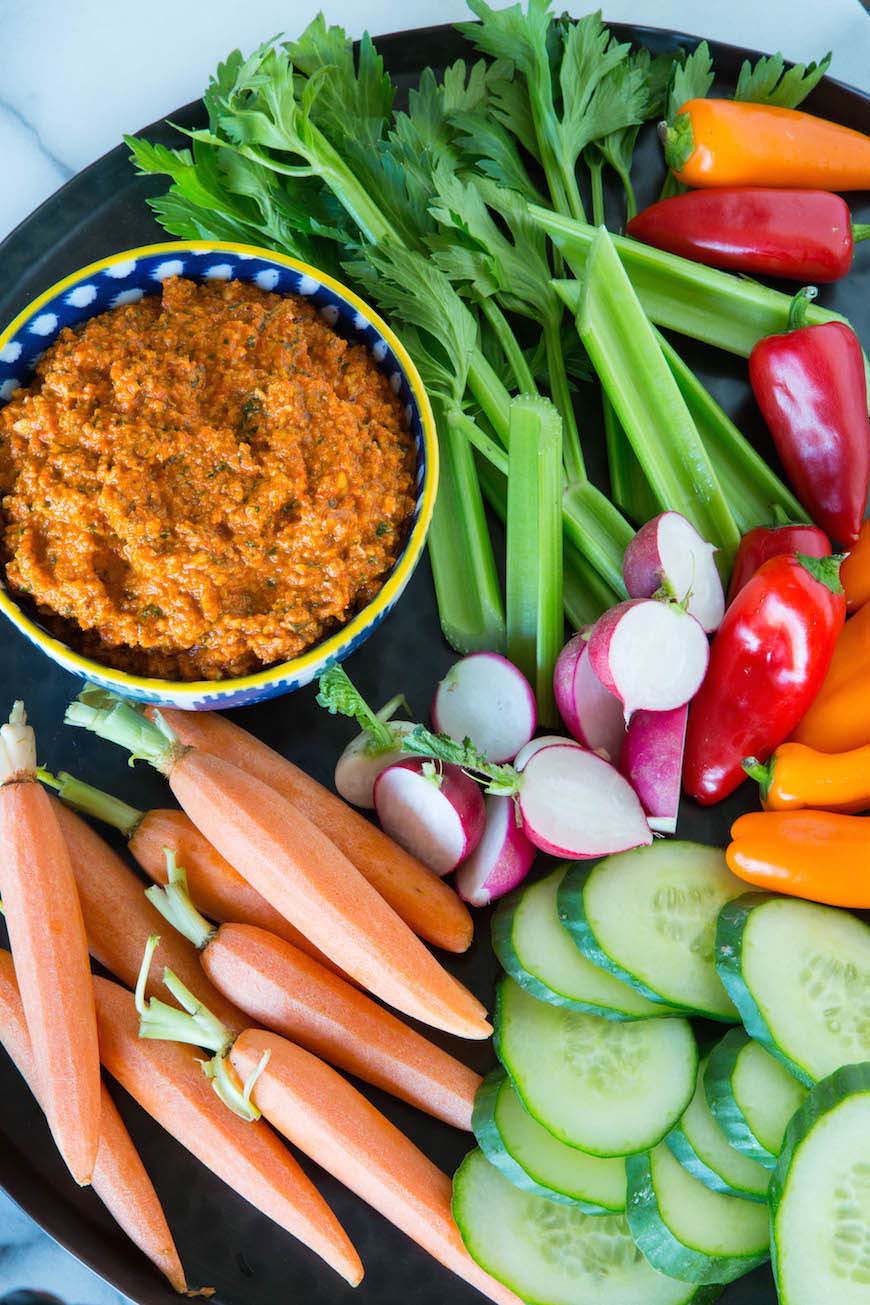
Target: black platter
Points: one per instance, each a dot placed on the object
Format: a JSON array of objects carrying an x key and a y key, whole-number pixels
[{"x": 223, "y": 1242}]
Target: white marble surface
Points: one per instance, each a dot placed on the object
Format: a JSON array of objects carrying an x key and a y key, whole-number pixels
[{"x": 75, "y": 74}]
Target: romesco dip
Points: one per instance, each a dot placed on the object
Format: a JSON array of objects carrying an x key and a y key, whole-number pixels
[{"x": 203, "y": 483}]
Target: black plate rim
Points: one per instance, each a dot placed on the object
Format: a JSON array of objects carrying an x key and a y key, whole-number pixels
[{"x": 64, "y": 1222}]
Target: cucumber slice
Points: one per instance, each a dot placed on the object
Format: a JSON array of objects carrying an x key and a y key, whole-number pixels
[
  {"x": 555, "y": 1254},
  {"x": 820, "y": 1195},
  {"x": 606, "y": 1088},
  {"x": 649, "y": 917},
  {"x": 538, "y": 952},
  {"x": 688, "y": 1231},
  {"x": 752, "y": 1096},
  {"x": 800, "y": 976},
  {"x": 699, "y": 1144},
  {"x": 535, "y": 1160}
]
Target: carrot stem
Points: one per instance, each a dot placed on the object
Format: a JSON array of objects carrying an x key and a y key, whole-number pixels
[
  {"x": 17, "y": 747},
  {"x": 92, "y": 801},
  {"x": 113, "y": 718},
  {"x": 164, "y": 1023},
  {"x": 175, "y": 904},
  {"x": 224, "y": 1081}
]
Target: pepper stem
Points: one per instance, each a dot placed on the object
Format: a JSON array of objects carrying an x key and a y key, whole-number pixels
[
  {"x": 678, "y": 140},
  {"x": 761, "y": 772},
  {"x": 797, "y": 314},
  {"x": 824, "y": 569},
  {"x": 175, "y": 905},
  {"x": 92, "y": 801},
  {"x": 860, "y": 231}
]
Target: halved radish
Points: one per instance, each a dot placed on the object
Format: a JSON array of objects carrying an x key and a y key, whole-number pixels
[
  {"x": 652, "y": 762},
  {"x": 502, "y": 858},
  {"x": 590, "y": 712},
  {"x": 432, "y": 810},
  {"x": 525, "y": 754},
  {"x": 575, "y": 804},
  {"x": 668, "y": 554},
  {"x": 486, "y": 699},
  {"x": 651, "y": 655},
  {"x": 361, "y": 762}
]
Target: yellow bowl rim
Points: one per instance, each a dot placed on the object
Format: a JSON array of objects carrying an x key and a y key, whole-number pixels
[{"x": 395, "y": 583}]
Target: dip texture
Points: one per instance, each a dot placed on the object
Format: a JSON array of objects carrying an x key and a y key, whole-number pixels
[{"x": 203, "y": 483}]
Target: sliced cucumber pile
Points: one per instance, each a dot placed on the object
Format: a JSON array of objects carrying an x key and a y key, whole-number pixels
[
  {"x": 820, "y": 1196},
  {"x": 699, "y": 1144},
  {"x": 535, "y": 1160},
  {"x": 553, "y": 1254},
  {"x": 752, "y": 1096},
  {"x": 538, "y": 952},
  {"x": 648, "y": 917},
  {"x": 800, "y": 976},
  {"x": 688, "y": 1231},
  {"x": 607, "y": 1088}
]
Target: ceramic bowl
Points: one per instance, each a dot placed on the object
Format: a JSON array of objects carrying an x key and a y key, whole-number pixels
[{"x": 128, "y": 276}]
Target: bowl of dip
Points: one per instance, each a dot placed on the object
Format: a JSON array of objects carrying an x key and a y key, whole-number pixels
[{"x": 218, "y": 467}]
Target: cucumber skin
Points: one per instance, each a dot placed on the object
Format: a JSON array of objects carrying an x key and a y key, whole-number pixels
[
  {"x": 722, "y": 1102},
  {"x": 502, "y": 945},
  {"x": 490, "y": 1141},
  {"x": 703, "y": 1295},
  {"x": 826, "y": 1095},
  {"x": 573, "y": 917},
  {"x": 733, "y": 919},
  {"x": 659, "y": 1245},
  {"x": 681, "y": 1149}
]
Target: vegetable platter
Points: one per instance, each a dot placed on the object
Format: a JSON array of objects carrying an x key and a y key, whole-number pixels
[{"x": 224, "y": 1243}]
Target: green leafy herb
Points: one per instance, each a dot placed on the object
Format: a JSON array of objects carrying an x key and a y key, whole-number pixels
[
  {"x": 768, "y": 82},
  {"x": 691, "y": 80},
  {"x": 340, "y": 696},
  {"x": 503, "y": 780}
]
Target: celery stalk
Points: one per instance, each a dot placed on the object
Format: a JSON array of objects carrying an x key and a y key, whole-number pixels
[
  {"x": 535, "y": 622},
  {"x": 751, "y": 487},
  {"x": 731, "y": 312},
  {"x": 628, "y": 485},
  {"x": 463, "y": 567},
  {"x": 598, "y": 530},
  {"x": 626, "y": 354}
]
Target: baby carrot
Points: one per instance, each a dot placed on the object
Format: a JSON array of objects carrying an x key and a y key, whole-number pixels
[
  {"x": 295, "y": 867},
  {"x": 281, "y": 988},
  {"x": 219, "y": 889},
  {"x": 119, "y": 919},
  {"x": 166, "y": 1079},
  {"x": 47, "y": 936},
  {"x": 120, "y": 1179},
  {"x": 426, "y": 903}
]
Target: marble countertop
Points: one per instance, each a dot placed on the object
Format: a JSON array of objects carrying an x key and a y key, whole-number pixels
[{"x": 74, "y": 76}]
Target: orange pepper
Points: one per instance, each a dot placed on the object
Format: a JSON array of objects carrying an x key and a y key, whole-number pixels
[
  {"x": 820, "y": 855},
  {"x": 737, "y": 143},
  {"x": 855, "y": 571},
  {"x": 839, "y": 719},
  {"x": 797, "y": 776}
]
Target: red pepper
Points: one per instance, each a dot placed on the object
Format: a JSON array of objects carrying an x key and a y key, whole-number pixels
[
  {"x": 767, "y": 663},
  {"x": 764, "y": 542},
  {"x": 806, "y": 235},
  {"x": 812, "y": 392}
]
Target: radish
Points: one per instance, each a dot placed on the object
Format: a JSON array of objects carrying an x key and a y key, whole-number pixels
[
  {"x": 436, "y": 812},
  {"x": 575, "y": 804},
  {"x": 363, "y": 760},
  {"x": 502, "y": 858},
  {"x": 651, "y": 655},
  {"x": 668, "y": 555},
  {"x": 486, "y": 699},
  {"x": 652, "y": 762},
  {"x": 590, "y": 712},
  {"x": 545, "y": 741}
]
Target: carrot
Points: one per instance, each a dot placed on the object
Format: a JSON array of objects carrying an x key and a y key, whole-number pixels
[
  {"x": 295, "y": 867},
  {"x": 738, "y": 143},
  {"x": 219, "y": 889},
  {"x": 281, "y": 988},
  {"x": 316, "y": 1110},
  {"x": 426, "y": 903},
  {"x": 120, "y": 1179},
  {"x": 167, "y": 1081},
  {"x": 119, "y": 919},
  {"x": 47, "y": 936},
  {"x": 855, "y": 571}
]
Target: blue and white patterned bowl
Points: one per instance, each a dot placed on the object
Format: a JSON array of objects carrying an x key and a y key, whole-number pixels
[{"x": 124, "y": 278}]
